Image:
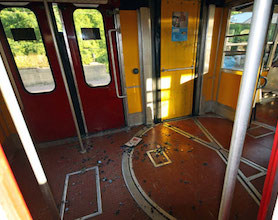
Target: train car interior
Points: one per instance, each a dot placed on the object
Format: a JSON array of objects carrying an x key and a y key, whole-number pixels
[{"x": 143, "y": 109}]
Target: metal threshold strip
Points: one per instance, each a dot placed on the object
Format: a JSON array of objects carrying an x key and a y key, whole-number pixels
[{"x": 223, "y": 153}]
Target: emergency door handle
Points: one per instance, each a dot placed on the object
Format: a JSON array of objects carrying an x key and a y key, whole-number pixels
[
  {"x": 176, "y": 69},
  {"x": 113, "y": 63}
]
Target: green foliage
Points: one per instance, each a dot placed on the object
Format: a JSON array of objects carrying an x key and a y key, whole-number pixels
[
  {"x": 236, "y": 29},
  {"x": 57, "y": 18},
  {"x": 31, "y": 61},
  {"x": 91, "y": 50},
  {"x": 244, "y": 28},
  {"x": 32, "y": 53},
  {"x": 27, "y": 53},
  {"x": 271, "y": 30},
  {"x": 22, "y": 18},
  {"x": 239, "y": 29},
  {"x": 236, "y": 12}
]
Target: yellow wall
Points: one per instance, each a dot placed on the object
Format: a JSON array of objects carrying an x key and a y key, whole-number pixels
[
  {"x": 208, "y": 77},
  {"x": 229, "y": 85},
  {"x": 129, "y": 30},
  {"x": 177, "y": 86},
  {"x": 229, "y": 81},
  {"x": 229, "y": 89},
  {"x": 220, "y": 50}
]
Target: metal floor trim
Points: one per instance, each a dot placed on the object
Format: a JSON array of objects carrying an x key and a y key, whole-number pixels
[
  {"x": 148, "y": 205},
  {"x": 142, "y": 199},
  {"x": 223, "y": 153}
]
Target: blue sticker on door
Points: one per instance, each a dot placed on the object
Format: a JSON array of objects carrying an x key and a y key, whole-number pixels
[{"x": 179, "y": 26}]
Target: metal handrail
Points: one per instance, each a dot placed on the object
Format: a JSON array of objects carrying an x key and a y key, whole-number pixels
[
  {"x": 235, "y": 52},
  {"x": 113, "y": 63},
  {"x": 176, "y": 69},
  {"x": 244, "y": 43},
  {"x": 237, "y": 35}
]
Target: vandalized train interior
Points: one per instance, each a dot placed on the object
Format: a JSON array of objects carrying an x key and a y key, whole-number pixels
[{"x": 143, "y": 109}]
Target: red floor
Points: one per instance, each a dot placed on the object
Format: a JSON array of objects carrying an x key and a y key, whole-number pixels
[
  {"x": 256, "y": 150},
  {"x": 188, "y": 188},
  {"x": 29, "y": 187},
  {"x": 117, "y": 202},
  {"x": 268, "y": 113}
]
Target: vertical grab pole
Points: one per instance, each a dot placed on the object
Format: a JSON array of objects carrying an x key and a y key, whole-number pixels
[
  {"x": 26, "y": 140},
  {"x": 257, "y": 35},
  {"x": 82, "y": 149}
]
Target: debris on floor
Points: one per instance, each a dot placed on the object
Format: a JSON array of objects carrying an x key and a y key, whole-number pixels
[
  {"x": 83, "y": 170},
  {"x": 158, "y": 156},
  {"x": 184, "y": 181},
  {"x": 159, "y": 150},
  {"x": 133, "y": 142},
  {"x": 171, "y": 211}
]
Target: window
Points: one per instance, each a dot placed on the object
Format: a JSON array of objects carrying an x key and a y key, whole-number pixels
[
  {"x": 90, "y": 33},
  {"x": 25, "y": 40},
  {"x": 271, "y": 40},
  {"x": 237, "y": 37}
]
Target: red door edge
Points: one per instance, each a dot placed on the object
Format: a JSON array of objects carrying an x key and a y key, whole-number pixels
[
  {"x": 11, "y": 199},
  {"x": 269, "y": 180}
]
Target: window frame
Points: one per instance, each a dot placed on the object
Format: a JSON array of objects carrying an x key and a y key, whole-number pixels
[
  {"x": 27, "y": 6},
  {"x": 227, "y": 35},
  {"x": 107, "y": 48}
]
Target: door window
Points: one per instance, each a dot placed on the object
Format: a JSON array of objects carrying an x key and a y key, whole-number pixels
[
  {"x": 90, "y": 34},
  {"x": 25, "y": 40}
]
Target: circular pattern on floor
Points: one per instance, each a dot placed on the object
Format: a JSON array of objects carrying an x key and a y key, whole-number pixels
[{"x": 177, "y": 171}]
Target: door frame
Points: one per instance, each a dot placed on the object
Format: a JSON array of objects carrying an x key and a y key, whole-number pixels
[
  {"x": 78, "y": 60},
  {"x": 53, "y": 64}
]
